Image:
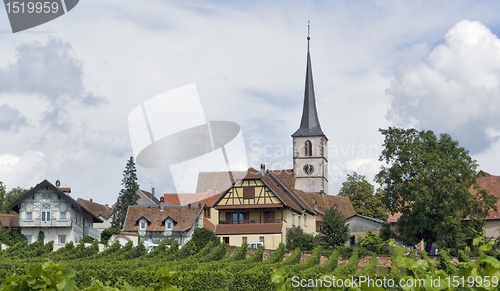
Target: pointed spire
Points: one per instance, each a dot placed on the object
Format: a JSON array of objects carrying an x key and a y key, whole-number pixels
[{"x": 309, "y": 126}]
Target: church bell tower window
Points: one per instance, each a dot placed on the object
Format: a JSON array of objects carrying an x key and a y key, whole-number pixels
[{"x": 308, "y": 148}]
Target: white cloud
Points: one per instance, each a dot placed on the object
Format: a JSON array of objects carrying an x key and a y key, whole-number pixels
[{"x": 454, "y": 89}]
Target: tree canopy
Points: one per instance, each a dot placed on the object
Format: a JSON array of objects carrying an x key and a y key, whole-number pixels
[
  {"x": 6, "y": 198},
  {"x": 363, "y": 197},
  {"x": 128, "y": 195},
  {"x": 427, "y": 179}
]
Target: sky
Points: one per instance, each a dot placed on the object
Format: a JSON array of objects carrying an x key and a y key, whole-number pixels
[{"x": 68, "y": 86}]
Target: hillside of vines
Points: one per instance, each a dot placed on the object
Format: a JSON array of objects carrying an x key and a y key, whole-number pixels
[{"x": 76, "y": 267}]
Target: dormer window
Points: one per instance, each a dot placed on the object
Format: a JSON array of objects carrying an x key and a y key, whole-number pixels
[
  {"x": 143, "y": 225},
  {"x": 169, "y": 225}
]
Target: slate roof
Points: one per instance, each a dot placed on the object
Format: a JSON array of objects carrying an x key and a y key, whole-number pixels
[
  {"x": 96, "y": 208},
  {"x": 9, "y": 220},
  {"x": 309, "y": 125},
  {"x": 184, "y": 216},
  {"x": 150, "y": 196},
  {"x": 249, "y": 228},
  {"x": 47, "y": 185}
]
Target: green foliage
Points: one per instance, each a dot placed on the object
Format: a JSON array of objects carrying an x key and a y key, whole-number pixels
[
  {"x": 296, "y": 238},
  {"x": 11, "y": 237},
  {"x": 202, "y": 236},
  {"x": 128, "y": 195},
  {"x": 363, "y": 197},
  {"x": 349, "y": 268},
  {"x": 427, "y": 179},
  {"x": 87, "y": 239},
  {"x": 334, "y": 231},
  {"x": 386, "y": 232},
  {"x": 371, "y": 242},
  {"x": 48, "y": 276},
  {"x": 107, "y": 233},
  {"x": 6, "y": 198},
  {"x": 445, "y": 263},
  {"x": 277, "y": 256},
  {"x": 294, "y": 258}
]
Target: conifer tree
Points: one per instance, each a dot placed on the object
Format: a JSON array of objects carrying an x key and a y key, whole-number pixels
[{"x": 128, "y": 195}]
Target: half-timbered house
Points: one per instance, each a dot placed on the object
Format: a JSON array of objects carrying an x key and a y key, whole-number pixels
[{"x": 52, "y": 210}]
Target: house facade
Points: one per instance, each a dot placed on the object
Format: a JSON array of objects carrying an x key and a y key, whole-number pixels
[
  {"x": 47, "y": 208},
  {"x": 259, "y": 208},
  {"x": 154, "y": 223}
]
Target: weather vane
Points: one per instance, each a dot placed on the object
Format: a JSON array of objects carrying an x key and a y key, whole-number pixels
[{"x": 308, "y": 37}]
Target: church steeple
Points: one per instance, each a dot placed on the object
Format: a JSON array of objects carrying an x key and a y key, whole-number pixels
[
  {"x": 310, "y": 145},
  {"x": 309, "y": 125}
]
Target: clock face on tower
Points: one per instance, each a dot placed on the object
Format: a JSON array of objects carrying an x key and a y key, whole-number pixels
[{"x": 308, "y": 169}]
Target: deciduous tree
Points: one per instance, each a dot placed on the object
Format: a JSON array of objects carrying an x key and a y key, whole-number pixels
[
  {"x": 363, "y": 197},
  {"x": 427, "y": 179}
]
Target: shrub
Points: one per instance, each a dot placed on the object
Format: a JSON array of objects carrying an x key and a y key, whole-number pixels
[
  {"x": 107, "y": 233},
  {"x": 202, "y": 236},
  {"x": 296, "y": 238}
]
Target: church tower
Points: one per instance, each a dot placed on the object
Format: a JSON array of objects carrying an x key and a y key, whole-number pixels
[{"x": 310, "y": 145}]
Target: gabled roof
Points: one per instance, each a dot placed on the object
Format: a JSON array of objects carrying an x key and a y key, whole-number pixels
[
  {"x": 185, "y": 216},
  {"x": 323, "y": 202},
  {"x": 210, "y": 201},
  {"x": 149, "y": 196},
  {"x": 47, "y": 185},
  {"x": 96, "y": 208},
  {"x": 309, "y": 125},
  {"x": 9, "y": 220},
  {"x": 367, "y": 218},
  {"x": 282, "y": 190}
]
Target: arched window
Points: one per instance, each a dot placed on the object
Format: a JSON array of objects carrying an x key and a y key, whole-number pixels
[{"x": 308, "y": 147}]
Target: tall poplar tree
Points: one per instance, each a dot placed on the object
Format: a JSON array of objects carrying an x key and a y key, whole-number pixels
[{"x": 128, "y": 195}]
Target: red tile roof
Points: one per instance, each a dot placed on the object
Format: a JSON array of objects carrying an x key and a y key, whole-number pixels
[
  {"x": 184, "y": 216},
  {"x": 249, "y": 228},
  {"x": 208, "y": 224},
  {"x": 9, "y": 220},
  {"x": 323, "y": 202}
]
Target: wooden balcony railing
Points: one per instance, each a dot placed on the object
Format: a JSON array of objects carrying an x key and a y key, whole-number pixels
[{"x": 250, "y": 221}]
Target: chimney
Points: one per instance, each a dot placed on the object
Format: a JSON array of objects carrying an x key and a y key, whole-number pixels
[
  {"x": 162, "y": 203},
  {"x": 315, "y": 205},
  {"x": 322, "y": 193},
  {"x": 189, "y": 205},
  {"x": 153, "y": 191},
  {"x": 262, "y": 169},
  {"x": 106, "y": 205},
  {"x": 91, "y": 200}
]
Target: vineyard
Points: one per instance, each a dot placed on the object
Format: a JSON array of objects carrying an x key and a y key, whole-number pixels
[{"x": 35, "y": 266}]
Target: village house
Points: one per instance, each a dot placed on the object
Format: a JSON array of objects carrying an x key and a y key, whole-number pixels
[
  {"x": 104, "y": 212},
  {"x": 154, "y": 223},
  {"x": 51, "y": 209}
]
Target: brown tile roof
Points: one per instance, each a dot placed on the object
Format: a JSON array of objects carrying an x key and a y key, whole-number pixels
[
  {"x": 393, "y": 218},
  {"x": 9, "y": 220},
  {"x": 172, "y": 199},
  {"x": 323, "y": 202},
  {"x": 96, "y": 208},
  {"x": 208, "y": 224},
  {"x": 185, "y": 217},
  {"x": 249, "y": 228},
  {"x": 492, "y": 184},
  {"x": 210, "y": 201},
  {"x": 47, "y": 185}
]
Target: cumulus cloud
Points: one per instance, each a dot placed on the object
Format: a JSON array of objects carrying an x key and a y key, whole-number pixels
[
  {"x": 11, "y": 119},
  {"x": 454, "y": 88},
  {"x": 49, "y": 70}
]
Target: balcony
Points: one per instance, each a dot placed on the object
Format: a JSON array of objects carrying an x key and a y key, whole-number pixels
[
  {"x": 250, "y": 221},
  {"x": 51, "y": 223},
  {"x": 92, "y": 232}
]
